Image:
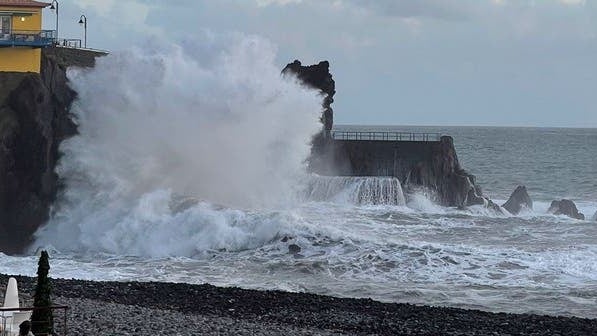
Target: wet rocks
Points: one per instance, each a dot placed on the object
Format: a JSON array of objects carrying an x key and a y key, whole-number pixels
[
  {"x": 494, "y": 206},
  {"x": 294, "y": 249},
  {"x": 440, "y": 172},
  {"x": 518, "y": 200},
  {"x": 565, "y": 207}
]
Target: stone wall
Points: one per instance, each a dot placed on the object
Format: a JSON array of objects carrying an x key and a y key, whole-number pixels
[{"x": 432, "y": 165}]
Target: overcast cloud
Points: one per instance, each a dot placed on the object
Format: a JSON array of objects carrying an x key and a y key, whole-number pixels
[{"x": 403, "y": 62}]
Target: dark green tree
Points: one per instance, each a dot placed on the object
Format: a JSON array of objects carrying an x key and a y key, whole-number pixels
[{"x": 42, "y": 319}]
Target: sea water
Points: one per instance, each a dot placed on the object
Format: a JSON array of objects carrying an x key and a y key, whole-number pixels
[{"x": 190, "y": 168}]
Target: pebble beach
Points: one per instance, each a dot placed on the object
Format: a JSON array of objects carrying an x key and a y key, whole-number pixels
[{"x": 155, "y": 308}]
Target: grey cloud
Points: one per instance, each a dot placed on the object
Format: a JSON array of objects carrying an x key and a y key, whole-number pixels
[{"x": 437, "y": 9}]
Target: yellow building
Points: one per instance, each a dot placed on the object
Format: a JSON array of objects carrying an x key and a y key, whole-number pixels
[{"x": 21, "y": 36}]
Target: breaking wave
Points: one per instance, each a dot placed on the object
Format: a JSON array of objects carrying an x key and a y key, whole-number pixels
[{"x": 211, "y": 119}]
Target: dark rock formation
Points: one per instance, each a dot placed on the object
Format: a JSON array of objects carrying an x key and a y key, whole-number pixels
[
  {"x": 294, "y": 249},
  {"x": 442, "y": 174},
  {"x": 317, "y": 76},
  {"x": 565, "y": 207},
  {"x": 34, "y": 119},
  {"x": 518, "y": 200},
  {"x": 595, "y": 217}
]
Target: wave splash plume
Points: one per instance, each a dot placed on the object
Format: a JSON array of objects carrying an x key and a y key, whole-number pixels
[{"x": 212, "y": 119}]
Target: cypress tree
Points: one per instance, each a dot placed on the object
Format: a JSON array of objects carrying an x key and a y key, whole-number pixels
[{"x": 42, "y": 319}]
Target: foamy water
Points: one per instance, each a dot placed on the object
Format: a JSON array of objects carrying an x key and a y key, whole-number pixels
[{"x": 190, "y": 168}]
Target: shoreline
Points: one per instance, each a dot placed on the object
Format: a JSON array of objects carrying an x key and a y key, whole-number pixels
[{"x": 230, "y": 310}]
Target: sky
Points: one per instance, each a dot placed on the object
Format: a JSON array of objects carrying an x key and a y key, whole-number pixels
[{"x": 395, "y": 62}]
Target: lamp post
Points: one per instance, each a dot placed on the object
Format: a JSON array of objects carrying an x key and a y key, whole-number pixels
[
  {"x": 83, "y": 21},
  {"x": 55, "y": 6}
]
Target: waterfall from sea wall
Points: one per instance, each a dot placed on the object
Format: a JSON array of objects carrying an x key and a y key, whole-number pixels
[{"x": 365, "y": 190}]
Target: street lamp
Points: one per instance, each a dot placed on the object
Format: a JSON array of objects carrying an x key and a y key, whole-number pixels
[
  {"x": 55, "y": 6},
  {"x": 83, "y": 21}
]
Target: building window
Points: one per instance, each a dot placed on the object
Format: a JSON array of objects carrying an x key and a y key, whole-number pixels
[{"x": 5, "y": 23}]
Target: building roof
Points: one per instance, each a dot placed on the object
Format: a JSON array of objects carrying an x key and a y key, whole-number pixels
[{"x": 23, "y": 3}]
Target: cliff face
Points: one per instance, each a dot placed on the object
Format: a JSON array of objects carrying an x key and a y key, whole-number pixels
[
  {"x": 317, "y": 76},
  {"x": 34, "y": 119}
]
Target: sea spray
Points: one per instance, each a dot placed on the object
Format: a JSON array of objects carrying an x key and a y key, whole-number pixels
[{"x": 210, "y": 119}]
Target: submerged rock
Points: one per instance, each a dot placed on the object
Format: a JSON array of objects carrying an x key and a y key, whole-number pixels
[
  {"x": 518, "y": 200},
  {"x": 294, "y": 249},
  {"x": 565, "y": 207}
]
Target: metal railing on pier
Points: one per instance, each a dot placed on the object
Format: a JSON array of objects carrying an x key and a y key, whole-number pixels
[
  {"x": 384, "y": 136},
  {"x": 27, "y": 38}
]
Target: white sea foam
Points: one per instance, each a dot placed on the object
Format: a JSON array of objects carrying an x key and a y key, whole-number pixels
[{"x": 422, "y": 202}]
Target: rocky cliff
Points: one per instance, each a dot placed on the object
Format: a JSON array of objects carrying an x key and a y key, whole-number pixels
[
  {"x": 432, "y": 165},
  {"x": 442, "y": 173},
  {"x": 317, "y": 76},
  {"x": 34, "y": 119}
]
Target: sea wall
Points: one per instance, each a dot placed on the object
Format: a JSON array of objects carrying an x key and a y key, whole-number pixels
[
  {"x": 432, "y": 165},
  {"x": 34, "y": 119},
  {"x": 382, "y": 158}
]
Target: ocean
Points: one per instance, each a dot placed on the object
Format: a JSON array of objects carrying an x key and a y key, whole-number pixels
[{"x": 179, "y": 180}]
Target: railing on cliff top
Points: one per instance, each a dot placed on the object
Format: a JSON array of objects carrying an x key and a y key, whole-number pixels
[
  {"x": 385, "y": 136},
  {"x": 28, "y": 38},
  {"x": 69, "y": 43}
]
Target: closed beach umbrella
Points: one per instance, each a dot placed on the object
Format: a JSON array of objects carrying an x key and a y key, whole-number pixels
[{"x": 11, "y": 298}]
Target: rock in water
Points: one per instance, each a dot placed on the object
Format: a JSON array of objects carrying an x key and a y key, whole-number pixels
[
  {"x": 294, "y": 249},
  {"x": 518, "y": 200},
  {"x": 565, "y": 207},
  {"x": 595, "y": 217}
]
